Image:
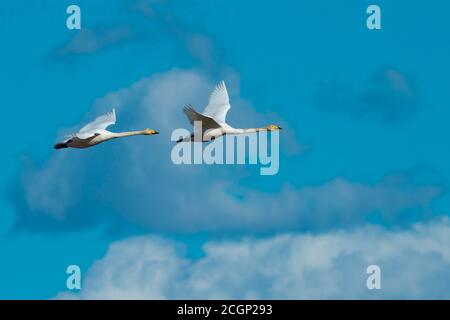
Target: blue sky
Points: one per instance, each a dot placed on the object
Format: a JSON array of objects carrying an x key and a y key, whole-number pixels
[{"x": 365, "y": 143}]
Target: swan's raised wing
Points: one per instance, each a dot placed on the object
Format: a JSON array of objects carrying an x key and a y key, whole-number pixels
[
  {"x": 101, "y": 123},
  {"x": 207, "y": 122},
  {"x": 219, "y": 103}
]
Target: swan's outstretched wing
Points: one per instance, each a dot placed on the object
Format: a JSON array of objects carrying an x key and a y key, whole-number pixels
[
  {"x": 69, "y": 137},
  {"x": 219, "y": 103},
  {"x": 207, "y": 122},
  {"x": 101, "y": 123}
]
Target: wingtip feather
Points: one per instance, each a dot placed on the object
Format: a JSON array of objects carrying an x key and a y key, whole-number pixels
[{"x": 188, "y": 108}]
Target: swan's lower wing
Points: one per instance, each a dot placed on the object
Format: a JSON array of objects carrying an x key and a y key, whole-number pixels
[
  {"x": 86, "y": 135},
  {"x": 194, "y": 116},
  {"x": 80, "y": 137}
]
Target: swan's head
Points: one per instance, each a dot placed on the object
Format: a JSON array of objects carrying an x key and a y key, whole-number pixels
[
  {"x": 148, "y": 131},
  {"x": 273, "y": 127}
]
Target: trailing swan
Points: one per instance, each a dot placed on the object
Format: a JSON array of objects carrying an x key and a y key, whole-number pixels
[{"x": 95, "y": 132}]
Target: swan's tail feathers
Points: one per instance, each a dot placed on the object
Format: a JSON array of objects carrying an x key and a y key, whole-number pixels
[{"x": 60, "y": 145}]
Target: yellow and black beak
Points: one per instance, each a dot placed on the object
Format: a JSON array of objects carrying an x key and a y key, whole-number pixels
[{"x": 151, "y": 131}]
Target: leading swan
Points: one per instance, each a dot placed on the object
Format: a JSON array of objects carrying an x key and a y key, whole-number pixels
[
  {"x": 95, "y": 132},
  {"x": 212, "y": 119}
]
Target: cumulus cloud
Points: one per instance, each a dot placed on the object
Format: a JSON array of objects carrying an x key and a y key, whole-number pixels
[
  {"x": 137, "y": 182},
  {"x": 134, "y": 182},
  {"x": 414, "y": 265},
  {"x": 390, "y": 95},
  {"x": 90, "y": 40}
]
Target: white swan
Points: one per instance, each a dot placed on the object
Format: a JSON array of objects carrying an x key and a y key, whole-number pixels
[
  {"x": 213, "y": 118},
  {"x": 94, "y": 133}
]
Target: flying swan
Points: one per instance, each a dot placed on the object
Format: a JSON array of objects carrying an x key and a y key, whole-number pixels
[
  {"x": 94, "y": 133},
  {"x": 213, "y": 118}
]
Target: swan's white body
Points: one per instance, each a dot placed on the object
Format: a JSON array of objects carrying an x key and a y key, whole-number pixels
[
  {"x": 213, "y": 118},
  {"x": 95, "y": 132}
]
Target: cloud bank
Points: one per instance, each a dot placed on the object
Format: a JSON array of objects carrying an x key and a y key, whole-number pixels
[
  {"x": 414, "y": 265},
  {"x": 137, "y": 183}
]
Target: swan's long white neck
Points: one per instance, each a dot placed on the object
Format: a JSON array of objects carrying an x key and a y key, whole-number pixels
[
  {"x": 243, "y": 131},
  {"x": 126, "y": 134}
]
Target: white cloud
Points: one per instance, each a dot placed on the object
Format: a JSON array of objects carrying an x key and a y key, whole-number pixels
[
  {"x": 78, "y": 187},
  {"x": 414, "y": 264},
  {"x": 136, "y": 182}
]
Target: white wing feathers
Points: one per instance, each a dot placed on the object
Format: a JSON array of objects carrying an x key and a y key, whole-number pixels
[
  {"x": 101, "y": 123},
  {"x": 219, "y": 103}
]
